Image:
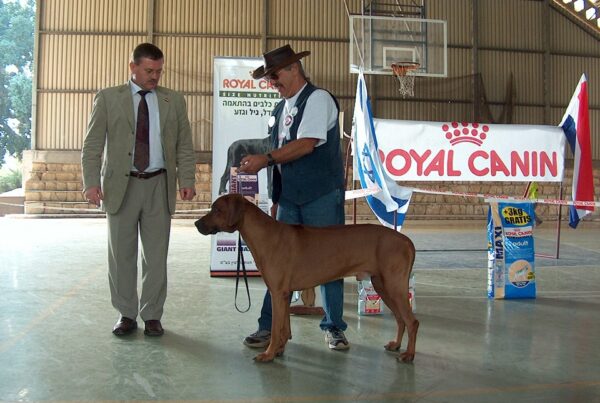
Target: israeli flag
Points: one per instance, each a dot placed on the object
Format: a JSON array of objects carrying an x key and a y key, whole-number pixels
[
  {"x": 392, "y": 197},
  {"x": 576, "y": 125}
]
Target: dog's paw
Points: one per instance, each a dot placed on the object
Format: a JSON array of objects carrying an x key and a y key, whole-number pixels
[
  {"x": 263, "y": 357},
  {"x": 392, "y": 346},
  {"x": 406, "y": 357}
]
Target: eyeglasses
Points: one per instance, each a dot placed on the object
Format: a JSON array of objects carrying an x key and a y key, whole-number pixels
[{"x": 275, "y": 76}]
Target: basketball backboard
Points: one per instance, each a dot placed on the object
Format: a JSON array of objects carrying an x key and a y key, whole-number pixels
[{"x": 377, "y": 42}]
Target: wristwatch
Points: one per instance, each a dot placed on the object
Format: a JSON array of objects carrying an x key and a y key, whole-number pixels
[{"x": 270, "y": 160}]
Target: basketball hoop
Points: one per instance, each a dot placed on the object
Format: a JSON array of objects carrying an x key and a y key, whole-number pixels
[{"x": 401, "y": 71}]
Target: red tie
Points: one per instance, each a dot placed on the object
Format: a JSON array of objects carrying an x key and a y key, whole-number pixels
[{"x": 141, "y": 156}]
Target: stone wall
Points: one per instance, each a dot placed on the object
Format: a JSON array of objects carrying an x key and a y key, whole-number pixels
[{"x": 55, "y": 188}]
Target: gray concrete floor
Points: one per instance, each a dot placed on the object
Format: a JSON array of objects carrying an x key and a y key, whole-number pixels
[{"x": 56, "y": 319}]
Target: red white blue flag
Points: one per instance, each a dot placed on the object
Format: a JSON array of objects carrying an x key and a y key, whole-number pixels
[{"x": 576, "y": 125}]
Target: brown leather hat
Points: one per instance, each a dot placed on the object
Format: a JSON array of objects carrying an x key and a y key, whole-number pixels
[{"x": 277, "y": 59}]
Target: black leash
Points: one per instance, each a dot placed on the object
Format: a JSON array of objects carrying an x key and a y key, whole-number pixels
[{"x": 237, "y": 275}]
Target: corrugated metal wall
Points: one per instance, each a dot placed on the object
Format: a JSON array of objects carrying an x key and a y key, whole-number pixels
[
  {"x": 99, "y": 16},
  {"x": 85, "y": 46},
  {"x": 221, "y": 17}
]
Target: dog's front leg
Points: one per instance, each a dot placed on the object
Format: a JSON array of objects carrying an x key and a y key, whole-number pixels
[
  {"x": 287, "y": 329},
  {"x": 280, "y": 306}
]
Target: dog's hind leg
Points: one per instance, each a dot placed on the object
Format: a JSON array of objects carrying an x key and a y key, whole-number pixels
[
  {"x": 402, "y": 304},
  {"x": 396, "y": 288},
  {"x": 393, "y": 345},
  {"x": 412, "y": 326}
]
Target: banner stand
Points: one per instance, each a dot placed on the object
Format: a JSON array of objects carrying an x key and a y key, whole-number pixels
[{"x": 241, "y": 110}]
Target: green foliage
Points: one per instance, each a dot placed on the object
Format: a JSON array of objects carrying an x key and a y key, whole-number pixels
[
  {"x": 16, "y": 57},
  {"x": 10, "y": 179}
]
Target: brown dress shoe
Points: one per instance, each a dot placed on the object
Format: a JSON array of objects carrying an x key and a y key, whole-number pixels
[
  {"x": 124, "y": 326},
  {"x": 153, "y": 328}
]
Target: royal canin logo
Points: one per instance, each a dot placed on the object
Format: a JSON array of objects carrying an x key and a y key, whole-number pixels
[
  {"x": 465, "y": 132},
  {"x": 483, "y": 154}
]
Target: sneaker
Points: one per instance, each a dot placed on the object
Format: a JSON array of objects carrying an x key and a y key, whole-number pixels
[
  {"x": 336, "y": 339},
  {"x": 258, "y": 339}
]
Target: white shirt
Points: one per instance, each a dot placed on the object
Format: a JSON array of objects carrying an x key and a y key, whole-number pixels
[
  {"x": 157, "y": 159},
  {"x": 320, "y": 116}
]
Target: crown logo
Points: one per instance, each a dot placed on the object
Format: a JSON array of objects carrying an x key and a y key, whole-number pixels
[{"x": 465, "y": 132}]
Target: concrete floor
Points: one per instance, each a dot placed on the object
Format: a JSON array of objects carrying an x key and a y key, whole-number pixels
[{"x": 56, "y": 319}]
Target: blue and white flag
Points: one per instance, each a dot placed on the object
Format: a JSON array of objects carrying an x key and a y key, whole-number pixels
[
  {"x": 576, "y": 125},
  {"x": 392, "y": 197}
]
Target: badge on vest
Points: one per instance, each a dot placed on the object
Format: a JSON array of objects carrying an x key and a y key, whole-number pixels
[
  {"x": 289, "y": 119},
  {"x": 271, "y": 121},
  {"x": 287, "y": 122}
]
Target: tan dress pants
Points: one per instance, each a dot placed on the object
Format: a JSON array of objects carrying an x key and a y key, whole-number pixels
[{"x": 144, "y": 212}]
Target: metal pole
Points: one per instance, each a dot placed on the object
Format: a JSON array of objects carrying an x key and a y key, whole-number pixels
[
  {"x": 347, "y": 174},
  {"x": 476, "y": 81},
  {"x": 558, "y": 226}
]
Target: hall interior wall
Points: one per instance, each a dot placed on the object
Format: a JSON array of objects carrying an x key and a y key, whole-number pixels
[{"x": 82, "y": 47}]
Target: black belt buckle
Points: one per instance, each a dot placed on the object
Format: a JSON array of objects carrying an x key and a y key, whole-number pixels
[{"x": 146, "y": 175}]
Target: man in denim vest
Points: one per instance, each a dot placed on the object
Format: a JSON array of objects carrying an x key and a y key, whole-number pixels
[{"x": 308, "y": 174}]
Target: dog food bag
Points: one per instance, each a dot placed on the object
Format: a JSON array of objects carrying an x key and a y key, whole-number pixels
[
  {"x": 491, "y": 256},
  {"x": 245, "y": 184},
  {"x": 511, "y": 252},
  {"x": 248, "y": 186},
  {"x": 369, "y": 302}
]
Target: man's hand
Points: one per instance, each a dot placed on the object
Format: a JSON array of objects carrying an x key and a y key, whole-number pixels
[
  {"x": 94, "y": 195},
  {"x": 187, "y": 193},
  {"x": 293, "y": 150},
  {"x": 251, "y": 164}
]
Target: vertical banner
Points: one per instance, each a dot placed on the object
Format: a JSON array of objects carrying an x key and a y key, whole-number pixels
[
  {"x": 511, "y": 254},
  {"x": 241, "y": 110}
]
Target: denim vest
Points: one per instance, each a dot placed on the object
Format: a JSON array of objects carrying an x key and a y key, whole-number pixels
[{"x": 315, "y": 174}]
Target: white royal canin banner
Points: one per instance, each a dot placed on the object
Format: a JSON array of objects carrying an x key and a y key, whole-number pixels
[
  {"x": 242, "y": 108},
  {"x": 461, "y": 151}
]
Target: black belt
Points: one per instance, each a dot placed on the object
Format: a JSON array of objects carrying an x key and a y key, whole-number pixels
[{"x": 147, "y": 175}]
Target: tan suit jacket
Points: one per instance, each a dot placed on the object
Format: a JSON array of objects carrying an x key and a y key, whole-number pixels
[{"x": 111, "y": 131}]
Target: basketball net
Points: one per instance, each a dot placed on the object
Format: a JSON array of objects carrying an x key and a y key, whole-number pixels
[{"x": 406, "y": 81}]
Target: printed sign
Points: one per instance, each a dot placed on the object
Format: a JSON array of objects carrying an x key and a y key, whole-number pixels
[
  {"x": 242, "y": 107},
  {"x": 461, "y": 151}
]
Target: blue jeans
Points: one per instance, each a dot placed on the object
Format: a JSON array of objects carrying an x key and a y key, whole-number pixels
[{"x": 324, "y": 211}]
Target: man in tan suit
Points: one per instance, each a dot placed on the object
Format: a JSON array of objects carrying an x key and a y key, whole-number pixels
[{"x": 137, "y": 146}]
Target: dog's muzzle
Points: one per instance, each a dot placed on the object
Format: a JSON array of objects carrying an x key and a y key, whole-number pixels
[{"x": 204, "y": 229}]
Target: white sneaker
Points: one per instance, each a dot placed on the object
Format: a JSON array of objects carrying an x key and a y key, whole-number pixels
[{"x": 336, "y": 339}]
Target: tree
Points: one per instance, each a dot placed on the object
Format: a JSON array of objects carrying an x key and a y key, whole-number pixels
[
  {"x": 10, "y": 179},
  {"x": 16, "y": 56}
]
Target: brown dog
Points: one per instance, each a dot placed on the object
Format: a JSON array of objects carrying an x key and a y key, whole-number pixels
[{"x": 296, "y": 257}]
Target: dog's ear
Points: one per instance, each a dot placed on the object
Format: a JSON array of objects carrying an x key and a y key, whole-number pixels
[{"x": 236, "y": 210}]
